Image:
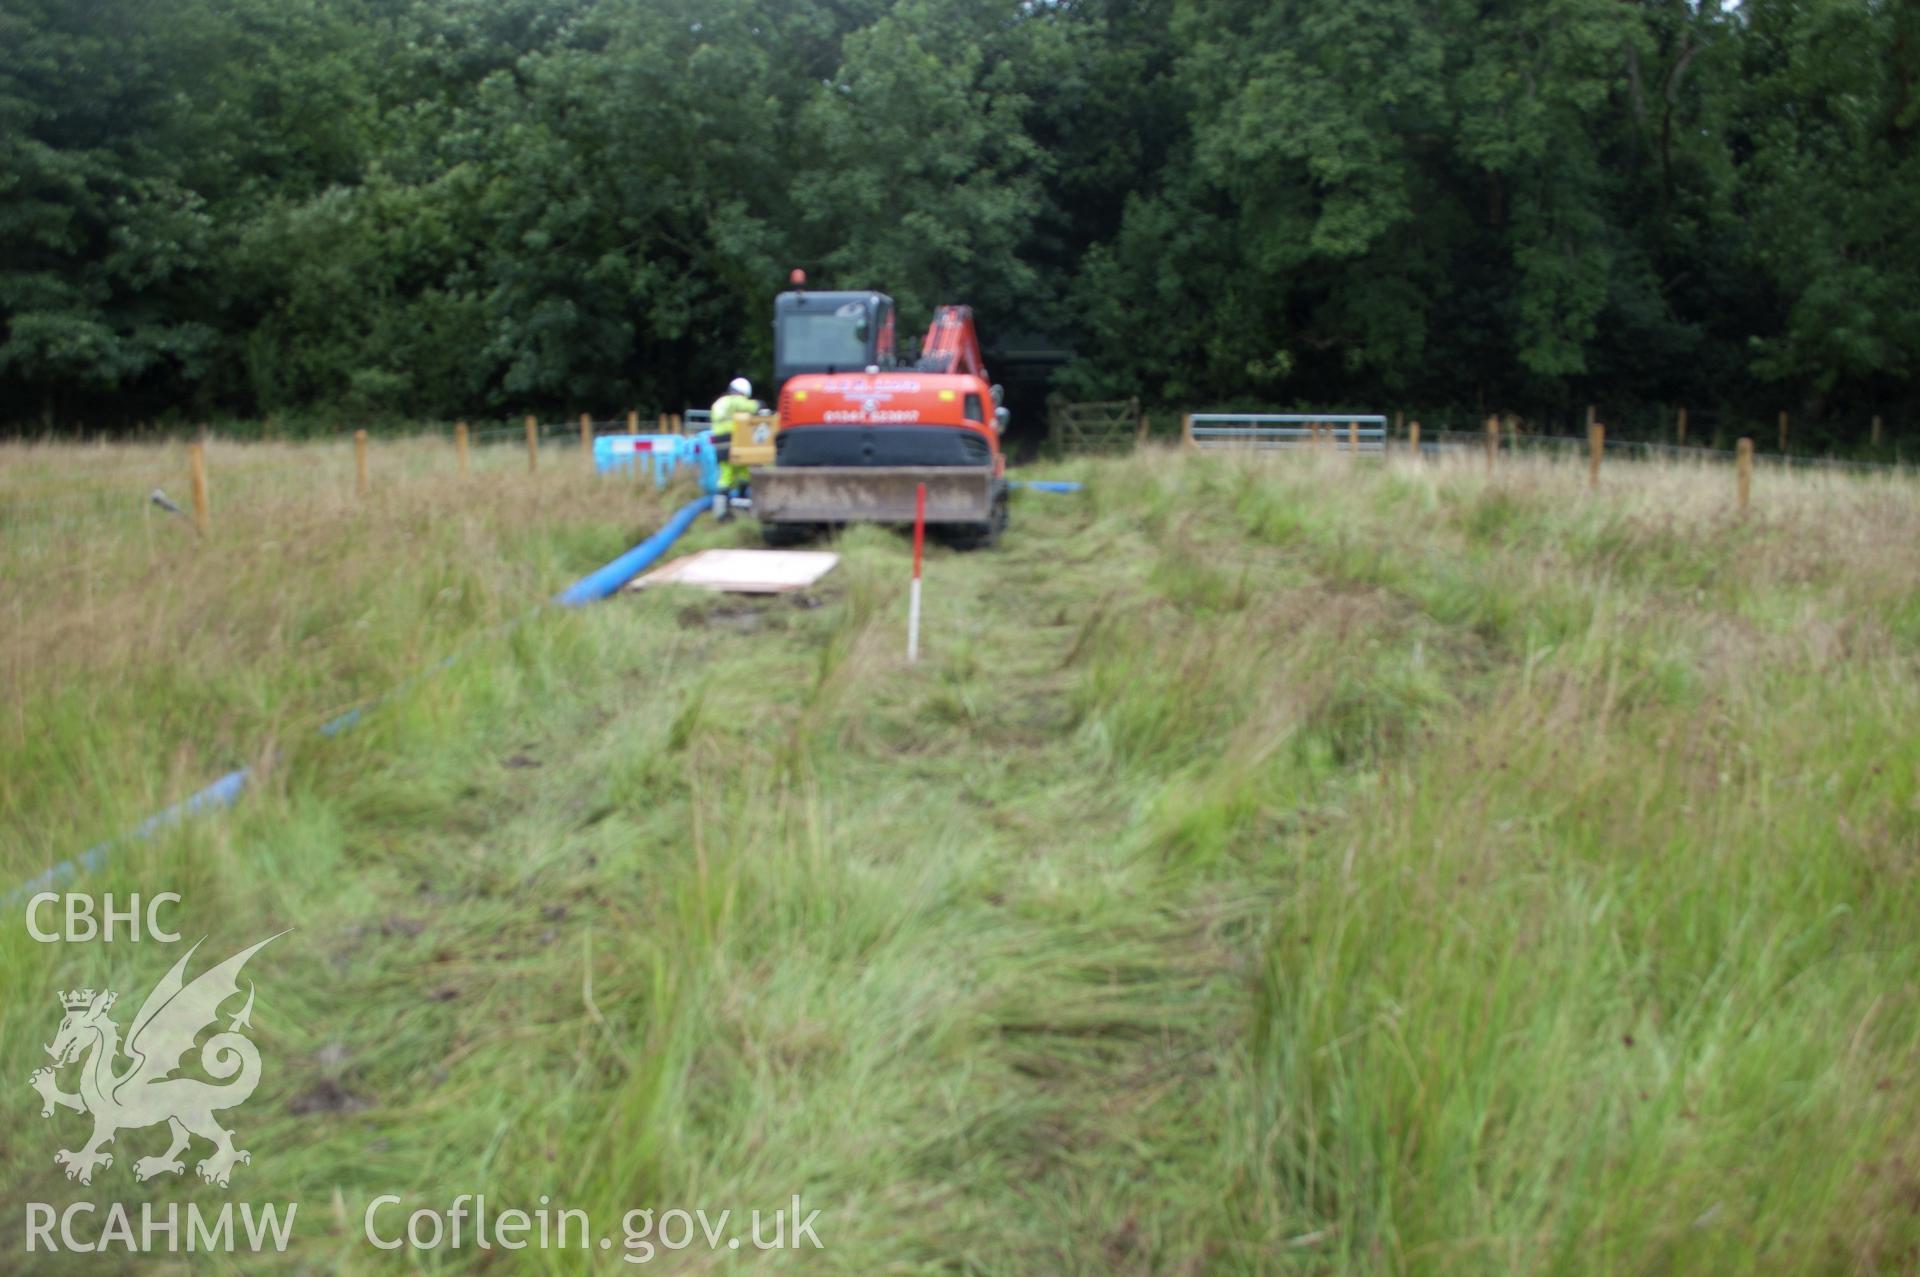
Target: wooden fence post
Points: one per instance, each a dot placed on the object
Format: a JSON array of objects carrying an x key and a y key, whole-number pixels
[
  {"x": 1353, "y": 437},
  {"x": 197, "y": 464},
  {"x": 1413, "y": 439},
  {"x": 586, "y": 438},
  {"x": 1744, "y": 469},
  {"x": 1680, "y": 428},
  {"x": 1593, "y": 415},
  {"x": 1493, "y": 441},
  {"x": 1596, "y": 445},
  {"x": 1140, "y": 438},
  {"x": 663, "y": 423},
  {"x": 633, "y": 421},
  {"x": 1876, "y": 430},
  {"x": 1186, "y": 432},
  {"x": 1399, "y": 427},
  {"x": 1783, "y": 433},
  {"x": 460, "y": 445},
  {"x": 361, "y": 487},
  {"x": 533, "y": 444},
  {"x": 679, "y": 426}
]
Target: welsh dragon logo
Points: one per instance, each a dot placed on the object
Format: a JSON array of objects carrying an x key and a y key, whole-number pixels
[{"x": 143, "y": 1093}]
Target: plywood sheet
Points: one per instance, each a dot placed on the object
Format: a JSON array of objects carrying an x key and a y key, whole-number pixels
[{"x": 743, "y": 571}]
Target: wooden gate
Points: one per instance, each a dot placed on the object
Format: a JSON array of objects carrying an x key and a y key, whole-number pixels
[{"x": 1093, "y": 427}]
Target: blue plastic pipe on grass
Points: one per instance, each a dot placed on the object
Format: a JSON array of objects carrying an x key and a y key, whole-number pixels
[
  {"x": 1048, "y": 485},
  {"x": 597, "y": 585},
  {"x": 221, "y": 793},
  {"x": 226, "y": 791}
]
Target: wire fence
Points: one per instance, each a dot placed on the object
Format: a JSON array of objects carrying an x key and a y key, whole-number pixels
[
  {"x": 1511, "y": 441},
  {"x": 1862, "y": 431},
  {"x": 141, "y": 480}
]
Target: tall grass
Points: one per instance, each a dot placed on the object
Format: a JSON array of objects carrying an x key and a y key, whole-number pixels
[
  {"x": 1273, "y": 865},
  {"x": 142, "y": 660}
]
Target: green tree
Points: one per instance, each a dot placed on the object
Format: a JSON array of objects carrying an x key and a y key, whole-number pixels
[
  {"x": 427, "y": 207},
  {"x": 1830, "y": 116},
  {"x": 103, "y": 238}
]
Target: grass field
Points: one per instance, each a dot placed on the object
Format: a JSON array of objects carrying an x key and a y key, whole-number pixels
[{"x": 1285, "y": 866}]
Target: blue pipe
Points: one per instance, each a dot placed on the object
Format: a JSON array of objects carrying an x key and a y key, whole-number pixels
[
  {"x": 227, "y": 790},
  {"x": 597, "y": 585},
  {"x": 1048, "y": 485},
  {"x": 351, "y": 718},
  {"x": 221, "y": 793}
]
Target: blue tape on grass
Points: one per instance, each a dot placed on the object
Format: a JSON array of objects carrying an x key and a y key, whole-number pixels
[
  {"x": 226, "y": 791},
  {"x": 597, "y": 585},
  {"x": 221, "y": 793},
  {"x": 334, "y": 726},
  {"x": 351, "y": 718}
]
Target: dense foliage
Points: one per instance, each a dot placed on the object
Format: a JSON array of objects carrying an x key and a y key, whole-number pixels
[{"x": 430, "y": 207}]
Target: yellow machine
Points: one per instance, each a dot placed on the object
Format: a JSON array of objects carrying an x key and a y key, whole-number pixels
[{"x": 753, "y": 438}]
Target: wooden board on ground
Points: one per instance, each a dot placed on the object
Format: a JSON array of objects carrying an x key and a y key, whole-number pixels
[{"x": 743, "y": 571}]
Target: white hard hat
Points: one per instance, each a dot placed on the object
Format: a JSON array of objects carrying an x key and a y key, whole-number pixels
[{"x": 741, "y": 386}]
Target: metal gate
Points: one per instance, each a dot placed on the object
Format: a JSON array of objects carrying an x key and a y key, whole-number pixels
[{"x": 1341, "y": 431}]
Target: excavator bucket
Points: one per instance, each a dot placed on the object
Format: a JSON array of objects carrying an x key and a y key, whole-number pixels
[{"x": 872, "y": 494}]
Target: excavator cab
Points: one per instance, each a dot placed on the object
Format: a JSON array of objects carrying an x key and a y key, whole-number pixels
[{"x": 831, "y": 333}]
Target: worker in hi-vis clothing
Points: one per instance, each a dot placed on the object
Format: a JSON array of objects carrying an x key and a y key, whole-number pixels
[{"x": 739, "y": 398}]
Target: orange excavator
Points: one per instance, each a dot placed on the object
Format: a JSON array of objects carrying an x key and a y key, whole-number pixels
[{"x": 857, "y": 432}]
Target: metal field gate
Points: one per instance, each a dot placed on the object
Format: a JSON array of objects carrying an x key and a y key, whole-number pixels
[{"x": 1339, "y": 431}]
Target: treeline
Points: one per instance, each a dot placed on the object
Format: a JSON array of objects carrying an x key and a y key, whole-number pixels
[{"x": 424, "y": 208}]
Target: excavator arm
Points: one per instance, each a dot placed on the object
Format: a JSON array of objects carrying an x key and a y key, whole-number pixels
[{"x": 951, "y": 345}]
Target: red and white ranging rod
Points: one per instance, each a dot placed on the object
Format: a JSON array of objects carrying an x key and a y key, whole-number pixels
[{"x": 913, "y": 594}]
